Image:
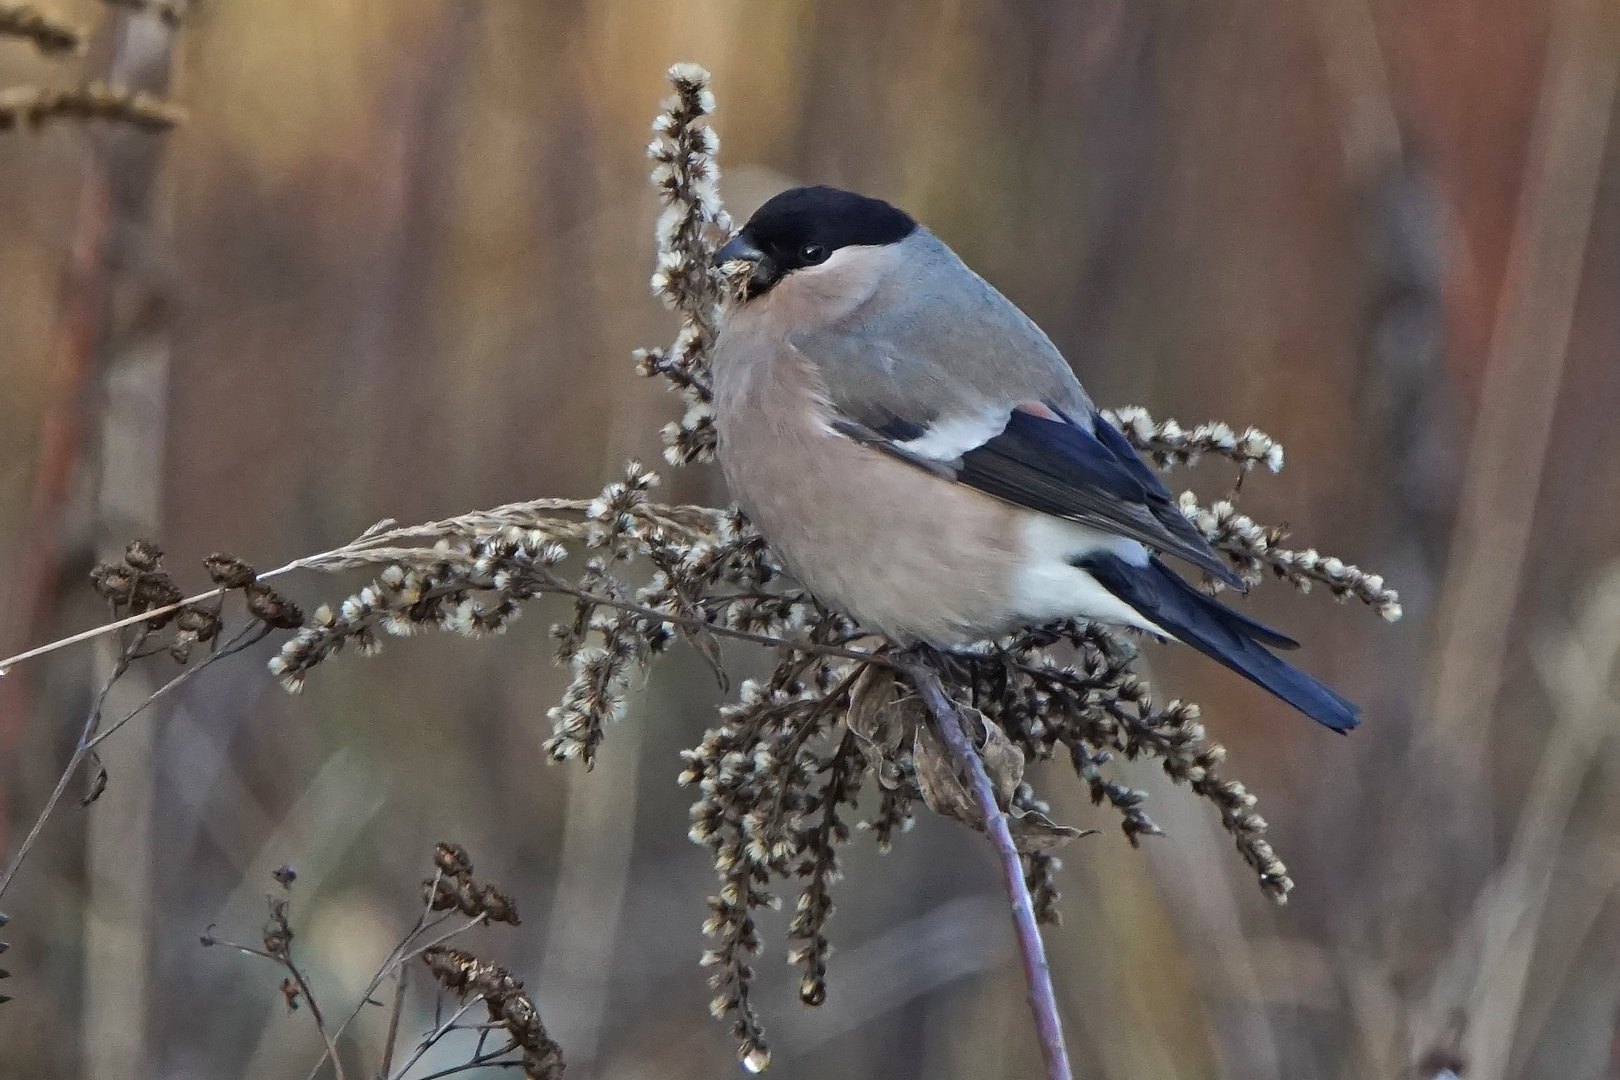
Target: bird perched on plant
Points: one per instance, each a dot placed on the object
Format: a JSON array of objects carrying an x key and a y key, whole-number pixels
[{"x": 917, "y": 451}]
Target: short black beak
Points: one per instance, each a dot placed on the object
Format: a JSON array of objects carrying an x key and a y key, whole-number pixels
[{"x": 738, "y": 247}]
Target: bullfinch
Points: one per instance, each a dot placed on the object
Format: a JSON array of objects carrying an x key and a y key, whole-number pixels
[{"x": 917, "y": 451}]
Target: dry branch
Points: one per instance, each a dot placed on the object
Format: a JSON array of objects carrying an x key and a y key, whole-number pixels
[
  {"x": 34, "y": 107},
  {"x": 49, "y": 35}
]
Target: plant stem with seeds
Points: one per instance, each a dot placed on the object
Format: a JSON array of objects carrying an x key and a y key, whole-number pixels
[{"x": 1037, "y": 972}]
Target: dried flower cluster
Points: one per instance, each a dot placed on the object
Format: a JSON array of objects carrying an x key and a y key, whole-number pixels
[
  {"x": 33, "y": 107},
  {"x": 151, "y": 618},
  {"x": 773, "y": 778},
  {"x": 452, "y": 889},
  {"x": 684, "y": 147},
  {"x": 139, "y": 585},
  {"x": 1255, "y": 548},
  {"x": 49, "y": 35},
  {"x": 1170, "y": 444},
  {"x": 479, "y": 570},
  {"x": 509, "y": 1007}
]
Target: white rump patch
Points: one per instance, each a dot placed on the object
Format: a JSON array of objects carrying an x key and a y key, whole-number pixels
[{"x": 1047, "y": 585}]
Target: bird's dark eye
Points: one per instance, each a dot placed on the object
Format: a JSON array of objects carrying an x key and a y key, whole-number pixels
[{"x": 811, "y": 254}]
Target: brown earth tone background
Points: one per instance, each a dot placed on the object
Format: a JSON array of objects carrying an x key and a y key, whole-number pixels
[{"x": 394, "y": 265}]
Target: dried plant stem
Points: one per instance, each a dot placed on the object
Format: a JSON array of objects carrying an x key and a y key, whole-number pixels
[
  {"x": 432, "y": 1038},
  {"x": 119, "y": 624},
  {"x": 249, "y": 636},
  {"x": 94, "y": 735},
  {"x": 327, "y": 1035},
  {"x": 511, "y": 1009},
  {"x": 33, "y": 107},
  {"x": 556, "y": 585},
  {"x": 403, "y": 954},
  {"x": 352, "y": 554},
  {"x": 382, "y": 544},
  {"x": 49, "y": 35},
  {"x": 1576, "y": 668},
  {"x": 481, "y": 1061},
  {"x": 1037, "y": 972},
  {"x": 82, "y": 750},
  {"x": 387, "y": 1066},
  {"x": 478, "y": 920},
  {"x": 285, "y": 962},
  {"x": 1523, "y": 374},
  {"x": 85, "y": 288},
  {"x": 808, "y": 647}
]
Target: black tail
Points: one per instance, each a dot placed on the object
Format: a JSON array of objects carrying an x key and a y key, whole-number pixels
[{"x": 1220, "y": 633}]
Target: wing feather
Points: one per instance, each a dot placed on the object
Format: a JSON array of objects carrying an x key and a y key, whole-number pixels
[{"x": 1053, "y": 465}]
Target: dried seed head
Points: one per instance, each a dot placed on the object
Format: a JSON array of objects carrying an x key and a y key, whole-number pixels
[
  {"x": 201, "y": 623},
  {"x": 112, "y": 581},
  {"x": 452, "y": 859},
  {"x": 143, "y": 555},
  {"x": 229, "y": 572},
  {"x": 278, "y": 933},
  {"x": 180, "y": 648},
  {"x": 272, "y": 609},
  {"x": 499, "y": 907}
]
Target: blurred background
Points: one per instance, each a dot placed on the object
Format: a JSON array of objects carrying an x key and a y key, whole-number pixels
[{"x": 394, "y": 265}]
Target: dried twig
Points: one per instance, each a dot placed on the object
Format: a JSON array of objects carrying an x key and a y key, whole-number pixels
[
  {"x": 81, "y": 752},
  {"x": 1513, "y": 425},
  {"x": 391, "y": 1037},
  {"x": 140, "y": 586},
  {"x": 33, "y": 107},
  {"x": 558, "y": 520},
  {"x": 49, "y": 35},
  {"x": 451, "y": 889},
  {"x": 947, "y": 723},
  {"x": 1171, "y": 444}
]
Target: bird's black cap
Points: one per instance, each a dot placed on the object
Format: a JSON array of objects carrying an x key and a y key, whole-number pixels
[
  {"x": 803, "y": 226},
  {"x": 826, "y": 215}
]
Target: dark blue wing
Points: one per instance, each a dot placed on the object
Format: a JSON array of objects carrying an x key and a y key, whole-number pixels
[
  {"x": 1220, "y": 633},
  {"x": 1058, "y": 467},
  {"x": 1046, "y": 462},
  {"x": 1121, "y": 448}
]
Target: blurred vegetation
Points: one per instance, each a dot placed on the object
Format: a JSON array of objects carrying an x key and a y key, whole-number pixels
[{"x": 394, "y": 265}]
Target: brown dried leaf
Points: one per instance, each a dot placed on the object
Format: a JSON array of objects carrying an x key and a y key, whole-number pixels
[
  {"x": 946, "y": 792},
  {"x": 877, "y": 714},
  {"x": 97, "y": 785},
  {"x": 942, "y": 788},
  {"x": 1002, "y": 760},
  {"x": 708, "y": 647},
  {"x": 944, "y": 783},
  {"x": 1033, "y": 831}
]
